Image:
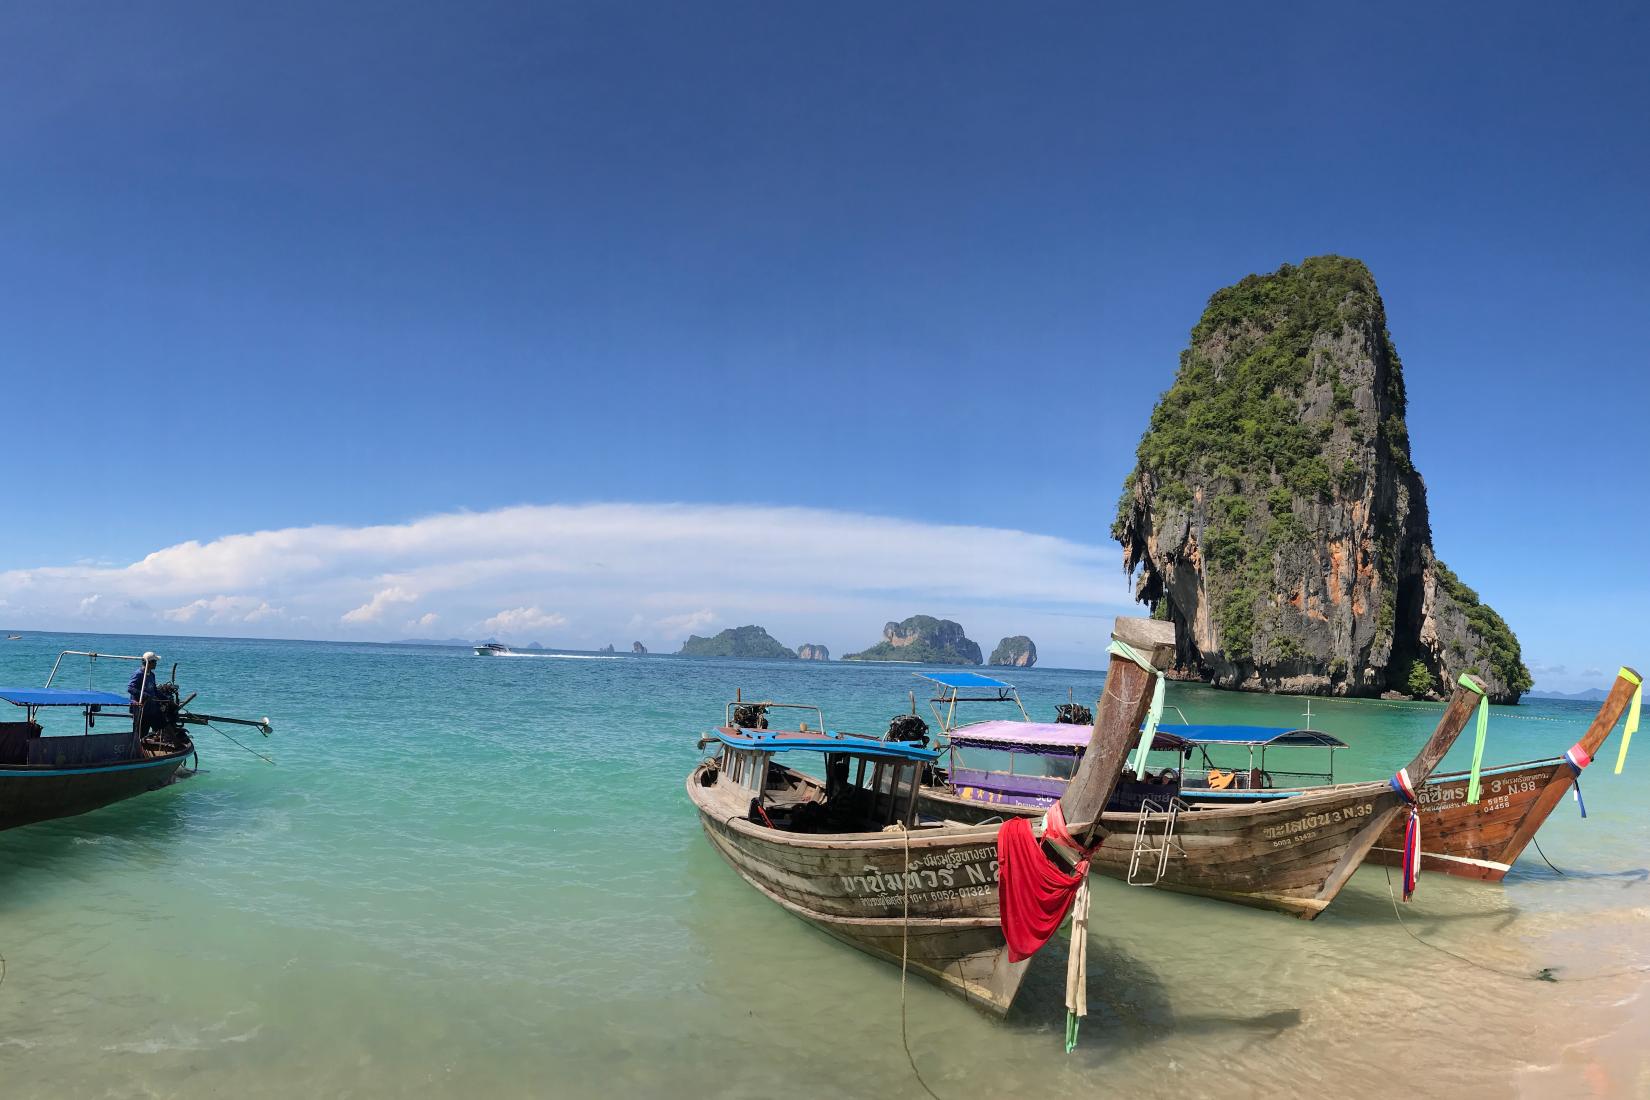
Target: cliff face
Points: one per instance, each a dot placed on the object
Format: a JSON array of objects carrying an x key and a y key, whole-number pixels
[
  {"x": 807, "y": 651},
  {"x": 1017, "y": 651},
  {"x": 1275, "y": 514},
  {"x": 737, "y": 641},
  {"x": 637, "y": 647},
  {"x": 924, "y": 639}
]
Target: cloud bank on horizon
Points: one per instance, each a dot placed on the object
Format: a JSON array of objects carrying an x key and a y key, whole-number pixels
[{"x": 581, "y": 576}]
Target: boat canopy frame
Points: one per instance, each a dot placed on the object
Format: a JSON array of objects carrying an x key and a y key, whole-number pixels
[{"x": 949, "y": 687}]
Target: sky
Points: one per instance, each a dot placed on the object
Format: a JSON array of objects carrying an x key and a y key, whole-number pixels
[{"x": 588, "y": 323}]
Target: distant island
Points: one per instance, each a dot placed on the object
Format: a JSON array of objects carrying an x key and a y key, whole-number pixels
[
  {"x": 808, "y": 651},
  {"x": 1591, "y": 695},
  {"x": 1275, "y": 514},
  {"x": 925, "y": 640},
  {"x": 1016, "y": 651},
  {"x": 736, "y": 641},
  {"x": 608, "y": 648},
  {"x": 637, "y": 647}
]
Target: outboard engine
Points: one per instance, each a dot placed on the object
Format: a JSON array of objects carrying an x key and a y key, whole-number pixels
[
  {"x": 907, "y": 727},
  {"x": 1073, "y": 714},
  {"x": 750, "y": 716}
]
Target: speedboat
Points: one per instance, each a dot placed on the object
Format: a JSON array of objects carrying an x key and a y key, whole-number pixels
[{"x": 492, "y": 649}]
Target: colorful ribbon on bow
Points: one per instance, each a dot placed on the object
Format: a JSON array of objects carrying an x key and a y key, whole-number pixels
[
  {"x": 1148, "y": 731},
  {"x": 1577, "y": 758},
  {"x": 1473, "y": 783},
  {"x": 1412, "y": 831},
  {"x": 1633, "y": 709}
]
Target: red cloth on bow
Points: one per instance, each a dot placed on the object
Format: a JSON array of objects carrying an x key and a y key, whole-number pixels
[{"x": 1033, "y": 893}]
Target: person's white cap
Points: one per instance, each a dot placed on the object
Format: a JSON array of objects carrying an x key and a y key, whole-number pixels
[{"x": 150, "y": 655}]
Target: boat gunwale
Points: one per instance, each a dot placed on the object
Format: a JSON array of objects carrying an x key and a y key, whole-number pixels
[{"x": 924, "y": 837}]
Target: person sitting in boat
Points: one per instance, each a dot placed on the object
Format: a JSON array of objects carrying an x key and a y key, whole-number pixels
[{"x": 143, "y": 690}]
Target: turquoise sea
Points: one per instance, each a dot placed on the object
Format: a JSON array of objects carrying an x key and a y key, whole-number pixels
[{"x": 481, "y": 876}]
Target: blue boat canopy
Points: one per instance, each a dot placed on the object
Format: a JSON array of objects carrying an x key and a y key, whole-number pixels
[
  {"x": 963, "y": 680},
  {"x": 790, "y": 741},
  {"x": 1270, "y": 736},
  {"x": 62, "y": 697}
]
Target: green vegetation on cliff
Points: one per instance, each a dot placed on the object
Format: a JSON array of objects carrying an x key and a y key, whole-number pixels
[
  {"x": 737, "y": 641},
  {"x": 1501, "y": 649},
  {"x": 1277, "y": 511},
  {"x": 1219, "y": 423}
]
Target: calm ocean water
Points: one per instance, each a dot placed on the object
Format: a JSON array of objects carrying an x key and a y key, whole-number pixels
[{"x": 482, "y": 875}]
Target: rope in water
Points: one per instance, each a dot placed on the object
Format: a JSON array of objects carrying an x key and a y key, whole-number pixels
[
  {"x": 904, "y": 951},
  {"x": 1544, "y": 858},
  {"x": 1545, "y": 974},
  {"x": 236, "y": 743}
]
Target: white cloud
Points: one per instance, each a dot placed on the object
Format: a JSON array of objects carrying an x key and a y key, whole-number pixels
[
  {"x": 680, "y": 626},
  {"x": 424, "y": 621},
  {"x": 806, "y": 574},
  {"x": 223, "y": 609},
  {"x": 519, "y": 620},
  {"x": 373, "y": 609}
]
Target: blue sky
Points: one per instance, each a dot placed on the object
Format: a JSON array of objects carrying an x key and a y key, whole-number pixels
[{"x": 278, "y": 267}]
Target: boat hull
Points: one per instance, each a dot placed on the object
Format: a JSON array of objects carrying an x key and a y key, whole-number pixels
[
  {"x": 30, "y": 794},
  {"x": 859, "y": 888},
  {"x": 1292, "y": 855},
  {"x": 1482, "y": 841}
]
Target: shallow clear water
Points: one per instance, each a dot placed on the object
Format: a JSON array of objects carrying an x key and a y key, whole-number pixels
[{"x": 482, "y": 874}]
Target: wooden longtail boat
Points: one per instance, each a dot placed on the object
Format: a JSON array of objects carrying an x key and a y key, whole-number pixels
[
  {"x": 1472, "y": 841},
  {"x": 850, "y": 856},
  {"x": 43, "y": 776},
  {"x": 1483, "y": 841},
  {"x": 1292, "y": 854}
]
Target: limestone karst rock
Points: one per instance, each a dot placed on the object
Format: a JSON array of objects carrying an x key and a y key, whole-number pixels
[
  {"x": 736, "y": 641},
  {"x": 924, "y": 639},
  {"x": 1275, "y": 515},
  {"x": 1016, "y": 651}
]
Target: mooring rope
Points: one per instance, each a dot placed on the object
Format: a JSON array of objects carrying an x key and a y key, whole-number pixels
[
  {"x": 1544, "y": 858},
  {"x": 1545, "y": 974},
  {"x": 232, "y": 741},
  {"x": 904, "y": 952}
]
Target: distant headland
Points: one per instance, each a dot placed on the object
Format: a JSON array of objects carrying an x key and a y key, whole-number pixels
[
  {"x": 925, "y": 640},
  {"x": 737, "y": 641}
]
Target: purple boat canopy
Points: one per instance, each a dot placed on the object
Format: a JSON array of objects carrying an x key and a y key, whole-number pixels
[
  {"x": 1045, "y": 737},
  {"x": 1049, "y": 737}
]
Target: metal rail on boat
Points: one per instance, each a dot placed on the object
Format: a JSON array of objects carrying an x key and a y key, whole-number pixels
[{"x": 769, "y": 704}]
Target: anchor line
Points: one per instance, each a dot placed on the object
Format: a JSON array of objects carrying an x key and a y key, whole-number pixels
[
  {"x": 904, "y": 954},
  {"x": 236, "y": 743},
  {"x": 1545, "y": 974}
]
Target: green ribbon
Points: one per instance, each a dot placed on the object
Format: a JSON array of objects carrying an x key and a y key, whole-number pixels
[
  {"x": 1071, "y": 1031},
  {"x": 1633, "y": 709},
  {"x": 1148, "y": 732},
  {"x": 1473, "y": 783}
]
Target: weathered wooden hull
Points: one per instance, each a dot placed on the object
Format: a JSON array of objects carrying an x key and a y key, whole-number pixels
[
  {"x": 1482, "y": 841},
  {"x": 1292, "y": 855},
  {"x": 859, "y": 887},
  {"x": 41, "y": 793}
]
